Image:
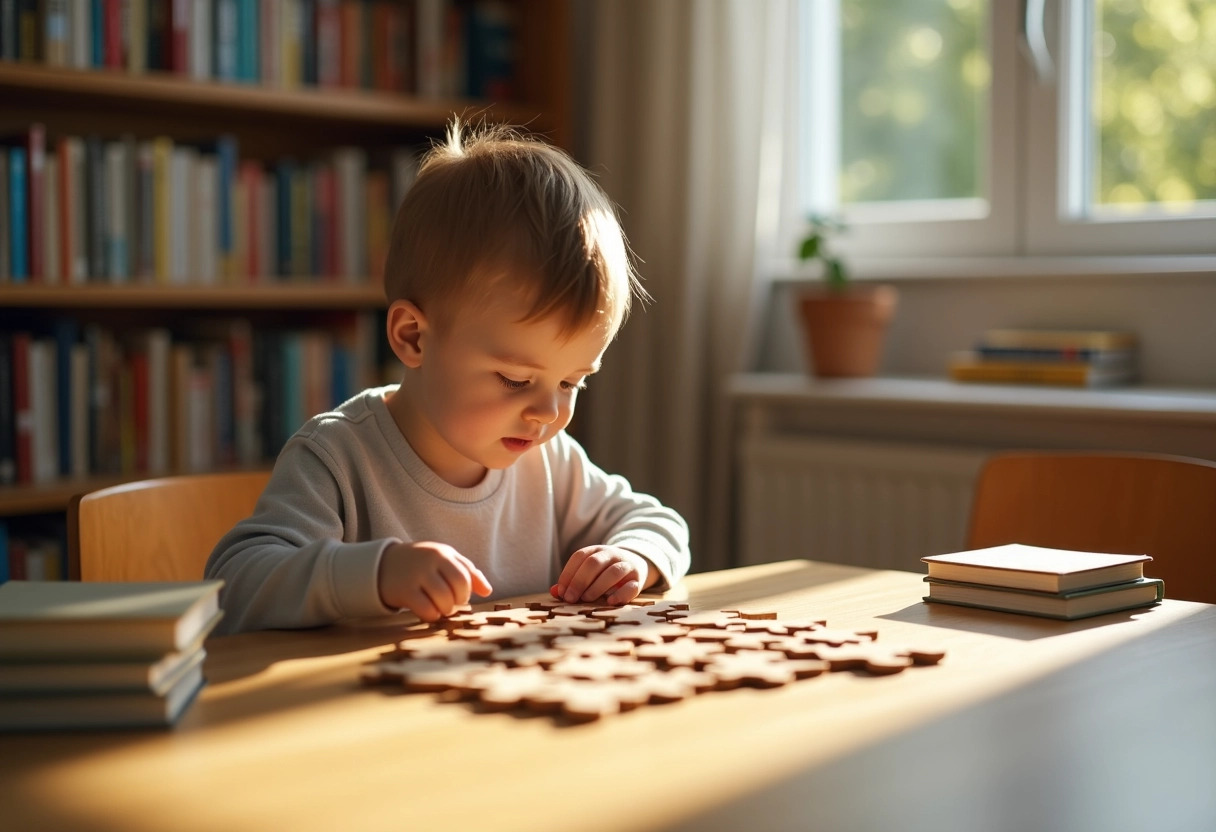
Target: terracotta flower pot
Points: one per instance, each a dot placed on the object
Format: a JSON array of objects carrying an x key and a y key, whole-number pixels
[{"x": 844, "y": 331}]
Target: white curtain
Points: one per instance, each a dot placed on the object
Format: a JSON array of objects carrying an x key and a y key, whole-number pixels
[{"x": 684, "y": 123}]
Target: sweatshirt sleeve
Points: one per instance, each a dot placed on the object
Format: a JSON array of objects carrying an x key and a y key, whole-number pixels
[
  {"x": 595, "y": 507},
  {"x": 287, "y": 565}
]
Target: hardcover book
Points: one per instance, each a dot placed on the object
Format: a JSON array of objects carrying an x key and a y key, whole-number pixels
[
  {"x": 124, "y": 709},
  {"x": 71, "y": 620},
  {"x": 1082, "y": 603},
  {"x": 1037, "y": 568}
]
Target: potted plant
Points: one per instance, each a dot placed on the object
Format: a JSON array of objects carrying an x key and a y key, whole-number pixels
[{"x": 844, "y": 324}]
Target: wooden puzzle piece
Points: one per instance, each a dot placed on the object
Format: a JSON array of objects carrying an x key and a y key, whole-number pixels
[
  {"x": 875, "y": 658},
  {"x": 566, "y": 625},
  {"x": 661, "y": 609},
  {"x": 626, "y": 614},
  {"x": 527, "y": 655},
  {"x": 674, "y": 685},
  {"x": 578, "y": 609},
  {"x": 749, "y": 615},
  {"x": 581, "y": 700},
  {"x": 682, "y": 652},
  {"x": 503, "y": 688},
  {"x": 595, "y": 644},
  {"x": 424, "y": 674},
  {"x": 443, "y": 649},
  {"x": 700, "y": 620},
  {"x": 656, "y": 633},
  {"x": 600, "y": 668},
  {"x": 780, "y": 627},
  {"x": 501, "y": 634},
  {"x": 737, "y": 641},
  {"x": 793, "y": 647},
  {"x": 712, "y": 634},
  {"x": 760, "y": 668},
  {"x": 516, "y": 615},
  {"x": 835, "y": 638}
]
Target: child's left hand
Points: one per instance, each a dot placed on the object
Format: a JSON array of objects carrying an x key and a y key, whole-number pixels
[{"x": 595, "y": 572}]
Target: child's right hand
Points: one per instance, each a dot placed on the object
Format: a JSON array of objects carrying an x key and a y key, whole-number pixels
[{"x": 429, "y": 579}]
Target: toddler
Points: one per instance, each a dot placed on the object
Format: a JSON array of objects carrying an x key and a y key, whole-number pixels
[{"x": 507, "y": 277}]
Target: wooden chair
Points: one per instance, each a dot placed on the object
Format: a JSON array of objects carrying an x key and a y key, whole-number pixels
[
  {"x": 1130, "y": 503},
  {"x": 158, "y": 529}
]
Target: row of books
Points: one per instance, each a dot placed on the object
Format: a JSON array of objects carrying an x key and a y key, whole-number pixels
[
  {"x": 102, "y": 654},
  {"x": 81, "y": 209},
  {"x": 1037, "y": 580},
  {"x": 431, "y": 48},
  {"x": 94, "y": 401},
  {"x": 27, "y": 555},
  {"x": 1073, "y": 358}
]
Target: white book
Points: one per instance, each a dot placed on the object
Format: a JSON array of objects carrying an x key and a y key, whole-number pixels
[
  {"x": 350, "y": 171},
  {"x": 78, "y": 269},
  {"x": 159, "y": 344},
  {"x": 205, "y": 241},
  {"x": 270, "y": 21},
  {"x": 184, "y": 160},
  {"x": 80, "y": 34},
  {"x": 52, "y": 269},
  {"x": 78, "y": 419},
  {"x": 44, "y": 410},
  {"x": 200, "y": 40},
  {"x": 116, "y": 212},
  {"x": 200, "y": 404}
]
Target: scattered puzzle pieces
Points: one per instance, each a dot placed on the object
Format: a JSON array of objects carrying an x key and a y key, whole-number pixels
[{"x": 583, "y": 662}]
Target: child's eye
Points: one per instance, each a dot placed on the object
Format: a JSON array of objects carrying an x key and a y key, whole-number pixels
[
  {"x": 572, "y": 385},
  {"x": 510, "y": 383}
]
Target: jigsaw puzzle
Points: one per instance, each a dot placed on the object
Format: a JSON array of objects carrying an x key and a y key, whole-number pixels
[{"x": 582, "y": 662}]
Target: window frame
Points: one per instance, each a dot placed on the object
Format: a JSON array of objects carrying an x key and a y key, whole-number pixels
[{"x": 1034, "y": 180}]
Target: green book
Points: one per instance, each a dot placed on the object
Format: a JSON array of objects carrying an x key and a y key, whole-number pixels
[
  {"x": 1070, "y": 605},
  {"x": 96, "y": 621}
]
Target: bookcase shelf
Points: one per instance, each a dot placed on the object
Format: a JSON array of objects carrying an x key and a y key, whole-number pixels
[
  {"x": 309, "y": 124},
  {"x": 31, "y": 85},
  {"x": 285, "y": 296}
]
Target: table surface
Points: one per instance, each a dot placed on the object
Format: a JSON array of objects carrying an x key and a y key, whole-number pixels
[{"x": 1107, "y": 723}]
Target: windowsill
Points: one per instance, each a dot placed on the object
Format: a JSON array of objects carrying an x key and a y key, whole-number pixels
[
  {"x": 973, "y": 268},
  {"x": 1177, "y": 405}
]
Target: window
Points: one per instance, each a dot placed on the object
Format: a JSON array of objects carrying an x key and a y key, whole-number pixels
[{"x": 968, "y": 127}]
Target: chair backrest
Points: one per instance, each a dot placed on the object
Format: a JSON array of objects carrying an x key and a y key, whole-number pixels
[
  {"x": 1128, "y": 503},
  {"x": 158, "y": 529}
]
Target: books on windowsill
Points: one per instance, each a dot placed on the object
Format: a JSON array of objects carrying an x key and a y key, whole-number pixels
[
  {"x": 1036, "y": 580},
  {"x": 1089, "y": 358},
  {"x": 102, "y": 655}
]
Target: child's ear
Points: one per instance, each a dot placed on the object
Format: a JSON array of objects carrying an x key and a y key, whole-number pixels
[{"x": 406, "y": 326}]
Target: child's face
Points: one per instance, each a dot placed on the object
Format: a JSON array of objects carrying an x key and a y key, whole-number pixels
[{"x": 489, "y": 388}]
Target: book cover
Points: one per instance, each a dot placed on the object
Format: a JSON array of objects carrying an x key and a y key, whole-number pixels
[
  {"x": 1064, "y": 605},
  {"x": 50, "y": 621},
  {"x": 100, "y": 710},
  {"x": 1066, "y": 374},
  {"x": 156, "y": 676},
  {"x": 1038, "y": 568},
  {"x": 1060, "y": 338}
]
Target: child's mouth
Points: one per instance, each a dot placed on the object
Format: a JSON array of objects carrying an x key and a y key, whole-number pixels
[{"x": 513, "y": 444}]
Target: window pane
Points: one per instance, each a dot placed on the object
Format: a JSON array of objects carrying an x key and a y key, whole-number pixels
[
  {"x": 915, "y": 77},
  {"x": 1154, "y": 104}
]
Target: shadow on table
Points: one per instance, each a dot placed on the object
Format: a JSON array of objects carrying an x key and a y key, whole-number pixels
[{"x": 1005, "y": 624}]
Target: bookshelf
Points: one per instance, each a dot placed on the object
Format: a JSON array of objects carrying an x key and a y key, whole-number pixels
[{"x": 268, "y": 122}]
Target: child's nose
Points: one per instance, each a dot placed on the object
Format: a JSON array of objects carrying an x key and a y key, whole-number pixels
[{"x": 544, "y": 408}]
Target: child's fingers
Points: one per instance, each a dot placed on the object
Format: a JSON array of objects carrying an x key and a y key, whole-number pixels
[
  {"x": 624, "y": 592},
  {"x": 612, "y": 573},
  {"x": 478, "y": 581}
]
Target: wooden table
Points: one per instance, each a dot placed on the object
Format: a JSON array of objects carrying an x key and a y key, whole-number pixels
[{"x": 1028, "y": 724}]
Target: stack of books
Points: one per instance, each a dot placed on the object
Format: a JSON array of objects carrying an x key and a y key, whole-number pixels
[
  {"x": 102, "y": 655},
  {"x": 1035, "y": 580},
  {"x": 1072, "y": 358}
]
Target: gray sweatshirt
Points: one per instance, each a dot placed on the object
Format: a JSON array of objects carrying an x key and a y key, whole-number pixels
[{"x": 347, "y": 485}]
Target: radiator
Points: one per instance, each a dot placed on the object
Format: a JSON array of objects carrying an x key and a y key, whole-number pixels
[{"x": 874, "y": 504}]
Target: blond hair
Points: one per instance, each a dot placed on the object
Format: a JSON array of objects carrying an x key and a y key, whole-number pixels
[{"x": 491, "y": 205}]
